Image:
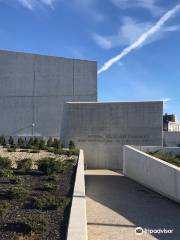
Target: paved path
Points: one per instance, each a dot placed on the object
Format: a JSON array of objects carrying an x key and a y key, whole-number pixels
[{"x": 116, "y": 205}]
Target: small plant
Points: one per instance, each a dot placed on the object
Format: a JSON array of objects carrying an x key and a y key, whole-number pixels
[
  {"x": 15, "y": 179},
  {"x": 34, "y": 224},
  {"x": 11, "y": 141},
  {"x": 4, "y": 207},
  {"x": 57, "y": 144},
  {"x": 6, "y": 173},
  {"x": 24, "y": 164},
  {"x": 42, "y": 144},
  {"x": 49, "y": 165},
  {"x": 18, "y": 193},
  {"x": 49, "y": 202},
  {"x": 74, "y": 151},
  {"x": 2, "y": 141},
  {"x": 5, "y": 163},
  {"x": 30, "y": 142},
  {"x": 50, "y": 187},
  {"x": 36, "y": 142},
  {"x": 20, "y": 142},
  {"x": 49, "y": 142},
  {"x": 71, "y": 145}
]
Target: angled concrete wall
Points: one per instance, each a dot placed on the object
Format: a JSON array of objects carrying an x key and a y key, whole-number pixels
[
  {"x": 171, "y": 139},
  {"x": 34, "y": 89},
  {"x": 101, "y": 129},
  {"x": 152, "y": 172}
]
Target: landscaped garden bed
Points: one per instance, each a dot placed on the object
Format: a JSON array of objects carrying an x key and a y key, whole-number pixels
[
  {"x": 167, "y": 157},
  {"x": 36, "y": 186}
]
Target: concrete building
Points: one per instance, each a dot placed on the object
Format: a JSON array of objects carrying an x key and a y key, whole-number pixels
[
  {"x": 34, "y": 93},
  {"x": 101, "y": 129},
  {"x": 34, "y": 89}
]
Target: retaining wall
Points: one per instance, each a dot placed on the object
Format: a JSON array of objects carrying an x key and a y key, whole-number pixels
[
  {"x": 101, "y": 129},
  {"x": 171, "y": 139},
  {"x": 152, "y": 172},
  {"x": 77, "y": 229}
]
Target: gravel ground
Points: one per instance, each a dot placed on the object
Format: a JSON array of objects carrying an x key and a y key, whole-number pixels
[
  {"x": 18, "y": 155},
  {"x": 34, "y": 181}
]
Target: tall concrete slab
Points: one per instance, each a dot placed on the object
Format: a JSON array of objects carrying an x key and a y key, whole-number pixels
[
  {"x": 101, "y": 129},
  {"x": 46, "y": 83}
]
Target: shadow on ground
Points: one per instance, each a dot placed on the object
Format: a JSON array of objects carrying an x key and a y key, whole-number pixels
[{"x": 136, "y": 203}]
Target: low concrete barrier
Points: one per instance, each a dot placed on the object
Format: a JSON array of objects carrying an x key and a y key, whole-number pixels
[
  {"x": 171, "y": 139},
  {"x": 152, "y": 172},
  {"x": 77, "y": 229}
]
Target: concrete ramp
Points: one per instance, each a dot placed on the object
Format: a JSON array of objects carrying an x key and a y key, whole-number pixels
[{"x": 117, "y": 205}]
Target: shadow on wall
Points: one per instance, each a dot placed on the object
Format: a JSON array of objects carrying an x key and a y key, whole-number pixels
[{"x": 136, "y": 203}]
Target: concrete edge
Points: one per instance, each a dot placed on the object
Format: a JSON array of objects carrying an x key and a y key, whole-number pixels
[
  {"x": 77, "y": 227},
  {"x": 150, "y": 156},
  {"x": 153, "y": 188}
]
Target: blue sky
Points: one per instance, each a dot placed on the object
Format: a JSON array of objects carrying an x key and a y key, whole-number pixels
[{"x": 99, "y": 30}]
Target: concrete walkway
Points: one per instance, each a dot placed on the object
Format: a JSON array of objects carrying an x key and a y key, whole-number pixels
[{"x": 116, "y": 205}]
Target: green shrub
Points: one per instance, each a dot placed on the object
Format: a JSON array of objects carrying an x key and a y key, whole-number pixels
[
  {"x": 6, "y": 173},
  {"x": 30, "y": 142},
  {"x": 15, "y": 179},
  {"x": 68, "y": 165},
  {"x": 49, "y": 165},
  {"x": 11, "y": 140},
  {"x": 34, "y": 224},
  {"x": 74, "y": 151},
  {"x": 2, "y": 141},
  {"x": 49, "y": 142},
  {"x": 71, "y": 144},
  {"x": 50, "y": 187},
  {"x": 5, "y": 163},
  {"x": 57, "y": 143},
  {"x": 4, "y": 207},
  {"x": 49, "y": 202},
  {"x": 36, "y": 142},
  {"x": 18, "y": 193},
  {"x": 24, "y": 164},
  {"x": 42, "y": 144},
  {"x": 20, "y": 142}
]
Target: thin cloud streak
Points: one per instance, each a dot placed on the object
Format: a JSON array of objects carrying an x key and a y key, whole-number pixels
[
  {"x": 157, "y": 27},
  {"x": 31, "y": 4}
]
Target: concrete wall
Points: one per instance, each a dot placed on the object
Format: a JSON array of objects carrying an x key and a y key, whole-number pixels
[
  {"x": 77, "y": 228},
  {"x": 101, "y": 129},
  {"x": 152, "y": 172},
  {"x": 34, "y": 89},
  {"x": 171, "y": 139}
]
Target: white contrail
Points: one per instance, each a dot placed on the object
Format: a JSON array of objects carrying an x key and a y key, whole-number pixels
[{"x": 141, "y": 39}]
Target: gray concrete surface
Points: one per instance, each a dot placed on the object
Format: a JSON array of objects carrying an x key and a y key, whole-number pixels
[
  {"x": 152, "y": 172},
  {"x": 101, "y": 129},
  {"x": 171, "y": 139},
  {"x": 116, "y": 205},
  {"x": 34, "y": 89},
  {"x": 77, "y": 228}
]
